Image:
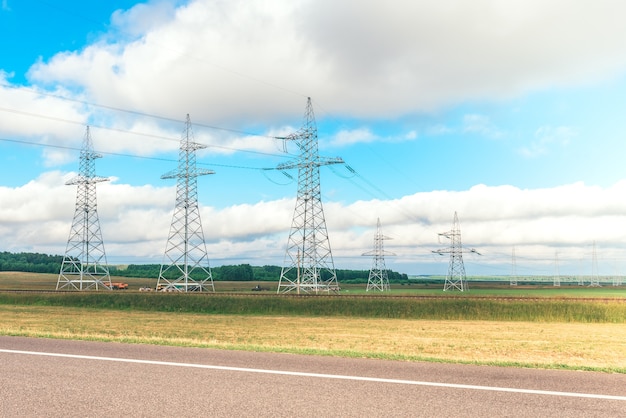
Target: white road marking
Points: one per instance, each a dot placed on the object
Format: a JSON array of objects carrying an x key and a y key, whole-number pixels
[{"x": 322, "y": 375}]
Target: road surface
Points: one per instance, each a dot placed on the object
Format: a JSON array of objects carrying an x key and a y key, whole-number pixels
[{"x": 44, "y": 377}]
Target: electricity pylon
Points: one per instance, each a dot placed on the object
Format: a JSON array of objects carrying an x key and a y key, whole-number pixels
[
  {"x": 595, "y": 279},
  {"x": 308, "y": 265},
  {"x": 581, "y": 279},
  {"x": 84, "y": 265},
  {"x": 185, "y": 264},
  {"x": 513, "y": 278},
  {"x": 556, "y": 280},
  {"x": 378, "y": 278},
  {"x": 455, "y": 278}
]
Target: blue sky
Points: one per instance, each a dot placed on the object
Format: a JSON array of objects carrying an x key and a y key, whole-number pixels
[{"x": 508, "y": 113}]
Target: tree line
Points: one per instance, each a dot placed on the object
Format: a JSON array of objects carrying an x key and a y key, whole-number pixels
[
  {"x": 246, "y": 272},
  {"x": 30, "y": 262},
  {"x": 44, "y": 263}
]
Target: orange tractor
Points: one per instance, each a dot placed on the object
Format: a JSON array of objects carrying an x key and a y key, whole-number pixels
[{"x": 117, "y": 285}]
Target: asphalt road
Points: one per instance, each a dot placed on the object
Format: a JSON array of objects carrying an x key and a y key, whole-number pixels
[{"x": 41, "y": 377}]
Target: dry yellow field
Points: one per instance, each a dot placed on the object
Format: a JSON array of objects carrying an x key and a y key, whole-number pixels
[{"x": 571, "y": 345}]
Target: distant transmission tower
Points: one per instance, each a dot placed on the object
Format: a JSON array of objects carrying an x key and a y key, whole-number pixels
[
  {"x": 581, "y": 278},
  {"x": 308, "y": 265},
  {"x": 595, "y": 279},
  {"x": 378, "y": 278},
  {"x": 185, "y": 264},
  {"x": 84, "y": 265},
  {"x": 513, "y": 278},
  {"x": 616, "y": 280},
  {"x": 456, "y": 269},
  {"x": 617, "y": 277},
  {"x": 557, "y": 276}
]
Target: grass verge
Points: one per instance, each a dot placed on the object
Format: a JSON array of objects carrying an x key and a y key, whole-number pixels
[
  {"x": 574, "y": 346},
  {"x": 492, "y": 309}
]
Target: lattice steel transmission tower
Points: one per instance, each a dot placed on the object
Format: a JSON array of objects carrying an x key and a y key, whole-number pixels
[
  {"x": 185, "y": 264},
  {"x": 308, "y": 265},
  {"x": 84, "y": 265},
  {"x": 556, "y": 280},
  {"x": 455, "y": 279},
  {"x": 378, "y": 278},
  {"x": 581, "y": 279},
  {"x": 595, "y": 279},
  {"x": 513, "y": 278}
]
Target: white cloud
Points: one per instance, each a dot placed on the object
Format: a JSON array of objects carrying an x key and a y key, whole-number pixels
[
  {"x": 405, "y": 57},
  {"x": 493, "y": 219},
  {"x": 35, "y": 116},
  {"x": 143, "y": 18},
  {"x": 439, "y": 129},
  {"x": 196, "y": 59},
  {"x": 27, "y": 115},
  {"x": 480, "y": 125},
  {"x": 135, "y": 222},
  {"x": 353, "y": 136},
  {"x": 546, "y": 138},
  {"x": 347, "y": 137}
]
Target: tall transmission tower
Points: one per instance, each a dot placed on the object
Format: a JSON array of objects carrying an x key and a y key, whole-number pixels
[
  {"x": 308, "y": 264},
  {"x": 455, "y": 278},
  {"x": 581, "y": 279},
  {"x": 595, "y": 279},
  {"x": 185, "y": 264},
  {"x": 556, "y": 280},
  {"x": 84, "y": 265},
  {"x": 513, "y": 278},
  {"x": 616, "y": 280},
  {"x": 378, "y": 278}
]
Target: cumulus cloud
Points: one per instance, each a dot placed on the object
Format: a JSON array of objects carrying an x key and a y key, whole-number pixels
[
  {"x": 58, "y": 122},
  {"x": 195, "y": 58},
  {"x": 169, "y": 59},
  {"x": 135, "y": 222},
  {"x": 48, "y": 118}
]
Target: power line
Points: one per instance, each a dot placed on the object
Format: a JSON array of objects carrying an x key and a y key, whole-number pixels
[
  {"x": 132, "y": 112},
  {"x": 382, "y": 195},
  {"x": 32, "y": 91},
  {"x": 125, "y": 131},
  {"x": 378, "y": 155},
  {"x": 117, "y": 154},
  {"x": 144, "y": 114}
]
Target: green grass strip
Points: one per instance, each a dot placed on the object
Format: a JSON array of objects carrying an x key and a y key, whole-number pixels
[{"x": 549, "y": 310}]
